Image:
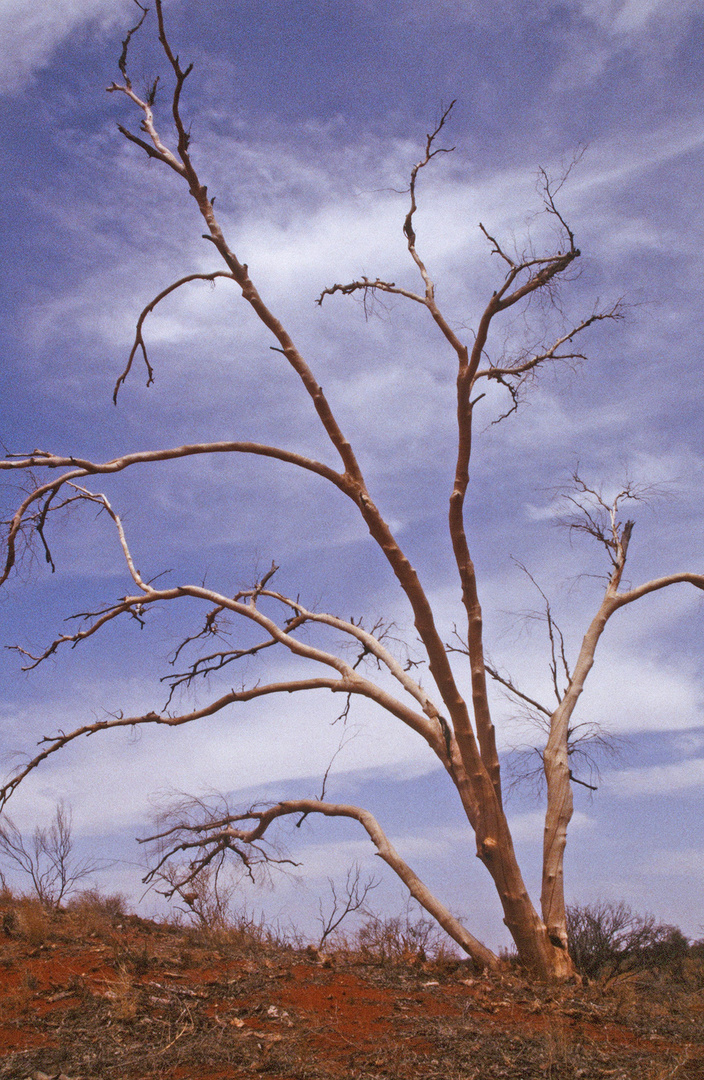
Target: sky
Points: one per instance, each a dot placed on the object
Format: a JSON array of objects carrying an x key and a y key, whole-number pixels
[{"x": 306, "y": 119}]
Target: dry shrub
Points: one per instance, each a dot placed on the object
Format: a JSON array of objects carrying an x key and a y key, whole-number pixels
[
  {"x": 113, "y": 906},
  {"x": 240, "y": 935},
  {"x": 607, "y": 939},
  {"x": 94, "y": 915},
  {"x": 135, "y": 960},
  {"x": 123, "y": 995},
  {"x": 33, "y": 921},
  {"x": 8, "y": 914},
  {"x": 402, "y": 938}
]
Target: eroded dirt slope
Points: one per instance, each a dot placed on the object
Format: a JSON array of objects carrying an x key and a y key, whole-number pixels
[{"x": 91, "y": 996}]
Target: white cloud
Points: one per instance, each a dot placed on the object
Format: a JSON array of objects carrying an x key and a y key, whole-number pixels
[
  {"x": 687, "y": 863},
  {"x": 631, "y": 16},
  {"x": 623, "y": 155},
  {"x": 689, "y": 742},
  {"x": 659, "y": 780},
  {"x": 601, "y": 31},
  {"x": 31, "y": 32},
  {"x": 629, "y": 693},
  {"x": 109, "y": 779}
]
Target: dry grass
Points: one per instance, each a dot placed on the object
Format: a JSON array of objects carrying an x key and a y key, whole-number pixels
[
  {"x": 32, "y": 921},
  {"x": 101, "y": 995}
]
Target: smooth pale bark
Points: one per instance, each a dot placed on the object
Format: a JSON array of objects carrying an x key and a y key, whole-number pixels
[
  {"x": 418, "y": 890},
  {"x": 559, "y": 786},
  {"x": 556, "y": 755}
]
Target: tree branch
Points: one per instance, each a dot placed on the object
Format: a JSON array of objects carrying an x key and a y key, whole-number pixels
[
  {"x": 508, "y": 684},
  {"x": 57, "y": 742},
  {"x": 523, "y": 367},
  {"x": 139, "y": 339},
  {"x": 227, "y": 831},
  {"x": 353, "y": 479},
  {"x": 656, "y": 584},
  {"x": 81, "y": 467},
  {"x": 366, "y": 286}
]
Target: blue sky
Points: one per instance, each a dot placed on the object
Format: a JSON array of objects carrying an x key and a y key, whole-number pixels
[{"x": 306, "y": 119}]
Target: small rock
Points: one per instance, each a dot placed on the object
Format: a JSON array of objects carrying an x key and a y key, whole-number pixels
[{"x": 48, "y": 1076}]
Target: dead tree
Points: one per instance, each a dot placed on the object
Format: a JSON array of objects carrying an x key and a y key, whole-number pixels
[{"x": 459, "y": 732}]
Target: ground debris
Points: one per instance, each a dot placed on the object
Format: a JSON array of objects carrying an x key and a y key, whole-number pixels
[{"x": 157, "y": 1003}]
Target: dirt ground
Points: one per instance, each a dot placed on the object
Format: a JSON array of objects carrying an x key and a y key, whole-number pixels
[{"x": 94, "y": 995}]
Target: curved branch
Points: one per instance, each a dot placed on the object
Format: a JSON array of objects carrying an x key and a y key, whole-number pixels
[
  {"x": 84, "y": 467},
  {"x": 430, "y": 726},
  {"x": 80, "y": 467},
  {"x": 523, "y": 367},
  {"x": 139, "y": 339},
  {"x": 182, "y": 164},
  {"x": 18, "y": 519},
  {"x": 371, "y": 644},
  {"x": 647, "y": 587},
  {"x": 350, "y": 681},
  {"x": 225, "y": 832},
  {"x": 57, "y": 742},
  {"x": 366, "y": 286}
]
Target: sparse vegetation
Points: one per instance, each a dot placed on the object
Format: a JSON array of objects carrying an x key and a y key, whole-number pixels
[
  {"x": 48, "y": 859},
  {"x": 105, "y": 995},
  {"x": 405, "y": 938},
  {"x": 607, "y": 939},
  {"x": 343, "y": 902}
]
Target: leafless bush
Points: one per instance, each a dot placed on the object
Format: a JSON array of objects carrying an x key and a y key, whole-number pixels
[
  {"x": 607, "y": 939},
  {"x": 206, "y": 900},
  {"x": 48, "y": 858},
  {"x": 352, "y": 898}
]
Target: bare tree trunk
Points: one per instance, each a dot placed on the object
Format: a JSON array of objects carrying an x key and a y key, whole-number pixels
[{"x": 547, "y": 958}]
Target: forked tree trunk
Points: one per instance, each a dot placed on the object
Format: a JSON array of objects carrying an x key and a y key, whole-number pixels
[{"x": 542, "y": 953}]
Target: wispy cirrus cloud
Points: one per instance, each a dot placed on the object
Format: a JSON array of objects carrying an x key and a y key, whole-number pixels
[{"x": 30, "y": 33}]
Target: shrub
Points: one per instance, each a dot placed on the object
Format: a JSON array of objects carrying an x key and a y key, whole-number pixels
[
  {"x": 400, "y": 938},
  {"x": 33, "y": 920},
  {"x": 89, "y": 901},
  {"x": 606, "y": 939}
]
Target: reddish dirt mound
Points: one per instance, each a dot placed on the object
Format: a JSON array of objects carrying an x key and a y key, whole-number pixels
[{"x": 99, "y": 998}]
